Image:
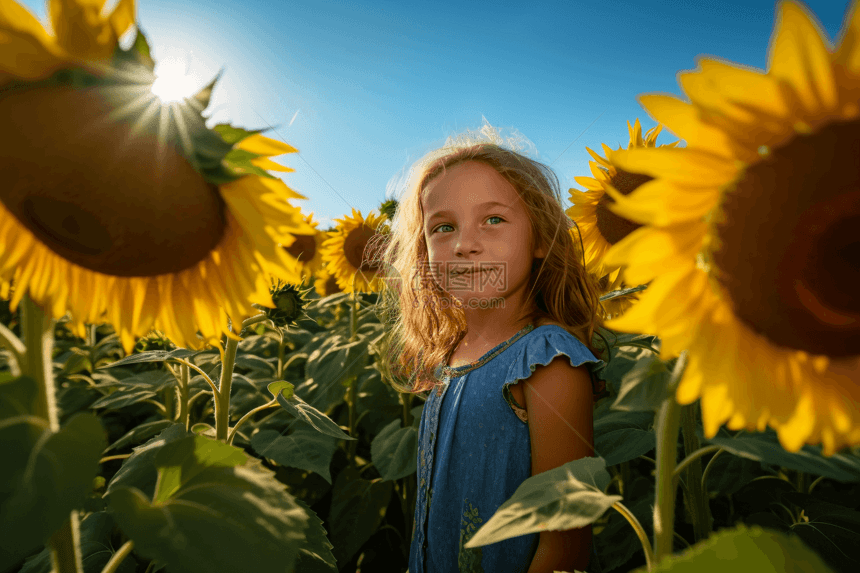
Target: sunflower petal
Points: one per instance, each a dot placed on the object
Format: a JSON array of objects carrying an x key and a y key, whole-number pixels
[
  {"x": 648, "y": 251},
  {"x": 659, "y": 203},
  {"x": 682, "y": 119},
  {"x": 262, "y": 145},
  {"x": 80, "y": 29},
  {"x": 799, "y": 55},
  {"x": 122, "y": 17},
  {"x": 686, "y": 166}
]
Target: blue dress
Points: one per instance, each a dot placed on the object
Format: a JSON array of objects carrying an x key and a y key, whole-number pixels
[{"x": 474, "y": 451}]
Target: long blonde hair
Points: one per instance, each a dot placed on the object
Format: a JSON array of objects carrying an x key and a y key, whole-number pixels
[{"x": 423, "y": 335}]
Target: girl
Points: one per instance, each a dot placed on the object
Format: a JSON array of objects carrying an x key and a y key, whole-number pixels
[{"x": 495, "y": 321}]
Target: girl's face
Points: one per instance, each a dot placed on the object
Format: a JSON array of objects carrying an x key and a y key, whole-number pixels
[{"x": 478, "y": 233}]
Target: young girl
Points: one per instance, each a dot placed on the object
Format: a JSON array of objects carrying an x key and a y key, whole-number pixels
[{"x": 495, "y": 318}]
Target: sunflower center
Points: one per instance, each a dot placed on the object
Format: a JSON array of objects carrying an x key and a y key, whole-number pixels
[
  {"x": 330, "y": 287},
  {"x": 99, "y": 193},
  {"x": 788, "y": 239},
  {"x": 354, "y": 246},
  {"x": 303, "y": 248},
  {"x": 612, "y": 227}
]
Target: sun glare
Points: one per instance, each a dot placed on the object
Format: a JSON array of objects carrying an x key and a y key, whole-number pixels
[{"x": 172, "y": 82}]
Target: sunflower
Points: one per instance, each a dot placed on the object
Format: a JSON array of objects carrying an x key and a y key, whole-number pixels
[
  {"x": 751, "y": 236},
  {"x": 347, "y": 255},
  {"x": 325, "y": 283},
  {"x": 600, "y": 227},
  {"x": 118, "y": 207},
  {"x": 307, "y": 249}
]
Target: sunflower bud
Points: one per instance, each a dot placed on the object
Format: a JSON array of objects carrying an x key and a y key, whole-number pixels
[
  {"x": 388, "y": 208},
  {"x": 289, "y": 304}
]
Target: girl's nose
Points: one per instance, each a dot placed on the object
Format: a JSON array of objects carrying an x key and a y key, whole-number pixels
[{"x": 468, "y": 242}]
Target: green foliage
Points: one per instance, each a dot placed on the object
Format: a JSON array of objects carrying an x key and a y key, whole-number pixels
[
  {"x": 316, "y": 419},
  {"x": 303, "y": 448},
  {"x": 748, "y": 549},
  {"x": 44, "y": 475},
  {"x": 395, "y": 449},
  {"x": 357, "y": 507},
  {"x": 214, "y": 509},
  {"x": 623, "y": 436},
  {"x": 566, "y": 497}
]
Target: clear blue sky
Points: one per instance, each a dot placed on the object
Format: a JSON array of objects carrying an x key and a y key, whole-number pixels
[{"x": 371, "y": 86}]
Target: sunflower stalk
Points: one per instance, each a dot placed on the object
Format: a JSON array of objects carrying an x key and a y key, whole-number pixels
[
  {"x": 667, "y": 427},
  {"x": 640, "y": 533},
  {"x": 38, "y": 330},
  {"x": 697, "y": 500},
  {"x": 182, "y": 391},
  {"x": 353, "y": 383}
]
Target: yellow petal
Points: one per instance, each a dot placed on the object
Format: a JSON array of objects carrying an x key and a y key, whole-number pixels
[
  {"x": 686, "y": 166},
  {"x": 264, "y": 146},
  {"x": 681, "y": 118},
  {"x": 648, "y": 251},
  {"x": 122, "y": 17},
  {"x": 80, "y": 29},
  {"x": 799, "y": 55},
  {"x": 848, "y": 54},
  {"x": 732, "y": 90},
  {"x": 659, "y": 203},
  {"x": 269, "y": 165}
]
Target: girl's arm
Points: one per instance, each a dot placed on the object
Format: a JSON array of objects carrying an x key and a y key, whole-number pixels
[{"x": 561, "y": 427}]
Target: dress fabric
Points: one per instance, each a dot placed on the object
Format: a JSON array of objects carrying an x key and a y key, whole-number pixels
[{"x": 474, "y": 451}]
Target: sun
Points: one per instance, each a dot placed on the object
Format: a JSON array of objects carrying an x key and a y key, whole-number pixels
[{"x": 173, "y": 82}]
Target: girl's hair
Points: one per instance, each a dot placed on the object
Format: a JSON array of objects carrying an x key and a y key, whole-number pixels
[{"x": 423, "y": 331}]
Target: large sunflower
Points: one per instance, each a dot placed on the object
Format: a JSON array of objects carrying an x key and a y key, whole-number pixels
[
  {"x": 347, "y": 255},
  {"x": 325, "y": 283},
  {"x": 117, "y": 207},
  {"x": 307, "y": 249},
  {"x": 752, "y": 238}
]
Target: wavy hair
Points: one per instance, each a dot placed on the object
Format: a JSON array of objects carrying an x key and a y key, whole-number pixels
[{"x": 560, "y": 289}]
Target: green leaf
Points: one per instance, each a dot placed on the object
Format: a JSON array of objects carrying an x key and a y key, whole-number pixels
[
  {"x": 122, "y": 398},
  {"x": 216, "y": 509},
  {"x": 304, "y": 448},
  {"x": 315, "y": 555},
  {"x": 833, "y": 531},
  {"x": 307, "y": 413},
  {"x": 154, "y": 380},
  {"x": 138, "y": 471},
  {"x": 623, "y": 436},
  {"x": 394, "y": 450},
  {"x": 329, "y": 364},
  {"x": 139, "y": 433},
  {"x": 357, "y": 508},
  {"x": 44, "y": 475},
  {"x": 203, "y": 96},
  {"x": 96, "y": 548},
  {"x": 566, "y": 497},
  {"x": 745, "y": 549},
  {"x": 154, "y": 356},
  {"x": 643, "y": 387},
  {"x": 281, "y": 388},
  {"x": 765, "y": 447},
  {"x": 233, "y": 135}
]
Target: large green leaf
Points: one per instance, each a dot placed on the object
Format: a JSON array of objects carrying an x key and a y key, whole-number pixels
[
  {"x": 334, "y": 363},
  {"x": 644, "y": 386},
  {"x": 123, "y": 397},
  {"x": 623, "y": 436},
  {"x": 96, "y": 550},
  {"x": 833, "y": 531},
  {"x": 138, "y": 471},
  {"x": 566, "y": 497},
  {"x": 139, "y": 433},
  {"x": 357, "y": 507},
  {"x": 315, "y": 554},
  {"x": 43, "y": 475},
  {"x": 304, "y": 448},
  {"x": 317, "y": 420},
  {"x": 214, "y": 509},
  {"x": 745, "y": 549},
  {"x": 378, "y": 403},
  {"x": 765, "y": 447},
  {"x": 394, "y": 451}
]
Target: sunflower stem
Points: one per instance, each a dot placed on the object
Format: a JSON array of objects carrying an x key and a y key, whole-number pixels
[
  {"x": 112, "y": 565},
  {"x": 38, "y": 330},
  {"x": 16, "y": 349},
  {"x": 222, "y": 406},
  {"x": 353, "y": 383},
  {"x": 667, "y": 427},
  {"x": 182, "y": 390},
  {"x": 282, "y": 345},
  {"x": 272, "y": 404},
  {"x": 696, "y": 498}
]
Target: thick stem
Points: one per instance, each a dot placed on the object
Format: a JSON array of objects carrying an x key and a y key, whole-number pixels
[
  {"x": 15, "y": 347},
  {"x": 282, "y": 345},
  {"x": 222, "y": 406},
  {"x": 640, "y": 533},
  {"x": 668, "y": 424},
  {"x": 696, "y": 498},
  {"x": 182, "y": 390},
  {"x": 708, "y": 469},
  {"x": 38, "y": 331}
]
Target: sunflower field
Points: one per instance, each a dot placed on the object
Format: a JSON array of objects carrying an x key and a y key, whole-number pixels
[{"x": 230, "y": 407}]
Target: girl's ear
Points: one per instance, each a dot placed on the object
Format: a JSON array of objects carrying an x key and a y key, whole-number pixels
[{"x": 540, "y": 252}]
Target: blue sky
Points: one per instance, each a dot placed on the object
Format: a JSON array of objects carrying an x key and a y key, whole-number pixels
[{"x": 363, "y": 89}]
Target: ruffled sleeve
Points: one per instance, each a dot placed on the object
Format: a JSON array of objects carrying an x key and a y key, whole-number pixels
[{"x": 540, "y": 348}]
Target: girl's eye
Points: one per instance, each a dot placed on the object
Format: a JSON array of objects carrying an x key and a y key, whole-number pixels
[{"x": 447, "y": 225}]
